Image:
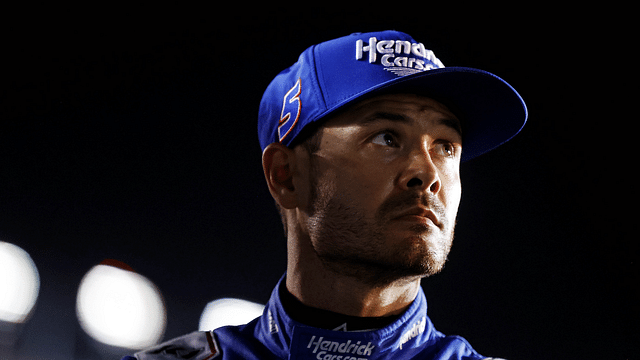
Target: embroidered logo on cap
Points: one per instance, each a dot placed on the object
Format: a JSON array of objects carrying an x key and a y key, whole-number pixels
[
  {"x": 400, "y": 57},
  {"x": 291, "y": 107}
]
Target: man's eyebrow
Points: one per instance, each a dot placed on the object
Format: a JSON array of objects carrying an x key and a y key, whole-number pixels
[
  {"x": 384, "y": 116},
  {"x": 452, "y": 123},
  {"x": 449, "y": 122}
]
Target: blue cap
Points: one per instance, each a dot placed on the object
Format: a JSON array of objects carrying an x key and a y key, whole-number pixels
[{"x": 339, "y": 72}]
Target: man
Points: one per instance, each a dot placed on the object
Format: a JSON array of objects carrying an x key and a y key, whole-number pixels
[{"x": 362, "y": 142}]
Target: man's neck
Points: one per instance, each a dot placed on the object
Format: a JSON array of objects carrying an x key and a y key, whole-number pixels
[
  {"x": 329, "y": 320},
  {"x": 316, "y": 286}
]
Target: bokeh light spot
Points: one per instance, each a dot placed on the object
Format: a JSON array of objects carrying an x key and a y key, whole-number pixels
[
  {"x": 119, "y": 307},
  {"x": 228, "y": 311},
  {"x": 19, "y": 283}
]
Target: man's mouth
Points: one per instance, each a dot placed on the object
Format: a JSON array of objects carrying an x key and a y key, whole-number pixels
[{"x": 420, "y": 215}]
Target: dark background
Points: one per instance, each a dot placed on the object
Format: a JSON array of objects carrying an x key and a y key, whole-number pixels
[{"x": 132, "y": 136}]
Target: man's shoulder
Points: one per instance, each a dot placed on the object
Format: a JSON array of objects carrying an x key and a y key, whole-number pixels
[
  {"x": 443, "y": 346},
  {"x": 199, "y": 345}
]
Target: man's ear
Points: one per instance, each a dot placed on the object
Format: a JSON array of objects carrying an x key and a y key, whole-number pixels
[{"x": 277, "y": 164}]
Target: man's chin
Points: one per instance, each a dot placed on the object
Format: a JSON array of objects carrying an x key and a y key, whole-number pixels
[
  {"x": 383, "y": 271},
  {"x": 425, "y": 256}
]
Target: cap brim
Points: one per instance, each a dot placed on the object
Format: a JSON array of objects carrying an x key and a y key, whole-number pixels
[{"x": 490, "y": 110}]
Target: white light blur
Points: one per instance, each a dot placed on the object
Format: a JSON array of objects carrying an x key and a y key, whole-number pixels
[
  {"x": 120, "y": 308},
  {"x": 228, "y": 311},
  {"x": 19, "y": 283}
]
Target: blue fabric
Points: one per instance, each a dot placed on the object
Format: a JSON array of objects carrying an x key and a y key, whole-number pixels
[{"x": 274, "y": 335}]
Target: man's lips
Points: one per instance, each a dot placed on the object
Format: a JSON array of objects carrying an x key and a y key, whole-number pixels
[{"x": 419, "y": 214}]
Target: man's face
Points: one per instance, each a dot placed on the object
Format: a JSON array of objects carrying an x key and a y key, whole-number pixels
[{"x": 384, "y": 188}]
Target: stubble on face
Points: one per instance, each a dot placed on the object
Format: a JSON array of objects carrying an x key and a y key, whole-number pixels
[{"x": 352, "y": 244}]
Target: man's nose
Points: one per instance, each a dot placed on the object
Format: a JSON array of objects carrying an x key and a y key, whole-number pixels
[{"x": 420, "y": 173}]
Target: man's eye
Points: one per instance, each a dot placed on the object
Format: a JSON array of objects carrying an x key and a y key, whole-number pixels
[
  {"x": 385, "y": 139},
  {"x": 445, "y": 149}
]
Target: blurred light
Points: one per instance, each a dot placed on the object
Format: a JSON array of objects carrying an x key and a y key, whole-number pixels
[
  {"x": 228, "y": 311},
  {"x": 19, "y": 283},
  {"x": 119, "y": 307}
]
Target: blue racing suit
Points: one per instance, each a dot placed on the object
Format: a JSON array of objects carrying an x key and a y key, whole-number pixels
[{"x": 274, "y": 335}]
